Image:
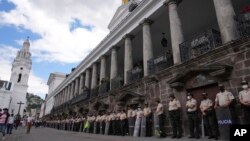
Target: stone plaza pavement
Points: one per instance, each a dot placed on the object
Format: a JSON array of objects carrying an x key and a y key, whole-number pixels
[{"x": 47, "y": 134}]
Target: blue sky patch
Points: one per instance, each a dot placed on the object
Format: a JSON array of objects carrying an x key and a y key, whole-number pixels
[
  {"x": 6, "y": 5},
  {"x": 77, "y": 24}
]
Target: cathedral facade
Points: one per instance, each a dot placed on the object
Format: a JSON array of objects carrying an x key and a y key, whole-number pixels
[{"x": 20, "y": 72}]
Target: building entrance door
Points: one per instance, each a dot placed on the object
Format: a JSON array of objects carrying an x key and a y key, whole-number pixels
[{"x": 211, "y": 90}]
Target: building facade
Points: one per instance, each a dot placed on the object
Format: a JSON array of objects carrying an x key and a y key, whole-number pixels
[
  {"x": 5, "y": 94},
  {"x": 54, "y": 80},
  {"x": 159, "y": 48}
]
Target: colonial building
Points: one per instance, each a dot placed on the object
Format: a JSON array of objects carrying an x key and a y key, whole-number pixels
[
  {"x": 54, "y": 80},
  {"x": 5, "y": 94},
  {"x": 160, "y": 47}
]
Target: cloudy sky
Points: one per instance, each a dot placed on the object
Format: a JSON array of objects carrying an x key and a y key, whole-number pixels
[{"x": 62, "y": 33}]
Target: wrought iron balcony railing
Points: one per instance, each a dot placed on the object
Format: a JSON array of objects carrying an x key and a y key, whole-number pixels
[
  {"x": 94, "y": 92},
  {"x": 104, "y": 87},
  {"x": 116, "y": 82},
  {"x": 243, "y": 24},
  {"x": 200, "y": 44},
  {"x": 160, "y": 63},
  {"x": 80, "y": 98},
  {"x": 134, "y": 74}
]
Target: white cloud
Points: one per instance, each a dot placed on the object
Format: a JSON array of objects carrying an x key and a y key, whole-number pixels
[
  {"x": 36, "y": 84},
  {"x": 52, "y": 21}
]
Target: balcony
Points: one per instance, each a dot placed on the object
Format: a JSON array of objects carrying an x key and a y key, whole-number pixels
[
  {"x": 82, "y": 97},
  {"x": 243, "y": 24},
  {"x": 104, "y": 87},
  {"x": 200, "y": 44},
  {"x": 135, "y": 74},
  {"x": 116, "y": 83},
  {"x": 94, "y": 92},
  {"x": 160, "y": 63}
]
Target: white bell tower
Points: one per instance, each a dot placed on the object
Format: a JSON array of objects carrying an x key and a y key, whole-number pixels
[{"x": 20, "y": 72}]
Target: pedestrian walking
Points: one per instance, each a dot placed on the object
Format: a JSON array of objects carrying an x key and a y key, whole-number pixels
[
  {"x": 3, "y": 122},
  {"x": 29, "y": 124},
  {"x": 10, "y": 124}
]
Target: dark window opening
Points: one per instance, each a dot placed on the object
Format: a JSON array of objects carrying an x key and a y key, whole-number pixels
[
  {"x": 21, "y": 68},
  {"x": 19, "y": 78}
]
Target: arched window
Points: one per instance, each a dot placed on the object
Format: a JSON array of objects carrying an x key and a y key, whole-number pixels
[{"x": 19, "y": 78}]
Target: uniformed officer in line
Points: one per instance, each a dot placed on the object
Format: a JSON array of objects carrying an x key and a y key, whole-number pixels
[
  {"x": 139, "y": 115},
  {"x": 103, "y": 120},
  {"x": 118, "y": 123},
  {"x": 244, "y": 97},
  {"x": 225, "y": 99},
  {"x": 175, "y": 117},
  {"x": 193, "y": 120},
  {"x": 147, "y": 112},
  {"x": 92, "y": 122},
  {"x": 209, "y": 116},
  {"x": 112, "y": 123},
  {"x": 161, "y": 116},
  {"x": 98, "y": 124},
  {"x": 130, "y": 120},
  {"x": 123, "y": 118}
]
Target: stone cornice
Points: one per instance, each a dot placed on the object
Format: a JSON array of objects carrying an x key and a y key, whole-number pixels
[{"x": 144, "y": 10}]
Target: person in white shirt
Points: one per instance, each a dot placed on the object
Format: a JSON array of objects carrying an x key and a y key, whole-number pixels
[
  {"x": 29, "y": 123},
  {"x": 10, "y": 124}
]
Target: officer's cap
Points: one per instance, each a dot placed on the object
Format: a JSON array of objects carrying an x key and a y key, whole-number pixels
[
  {"x": 244, "y": 82},
  {"x": 220, "y": 85},
  {"x": 204, "y": 93}
]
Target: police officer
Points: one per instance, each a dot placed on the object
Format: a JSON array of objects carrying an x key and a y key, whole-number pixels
[
  {"x": 103, "y": 120},
  {"x": 174, "y": 115},
  {"x": 147, "y": 112},
  {"x": 244, "y": 97},
  {"x": 192, "y": 114},
  {"x": 209, "y": 116},
  {"x": 225, "y": 99},
  {"x": 161, "y": 116},
  {"x": 98, "y": 124},
  {"x": 123, "y": 118}
]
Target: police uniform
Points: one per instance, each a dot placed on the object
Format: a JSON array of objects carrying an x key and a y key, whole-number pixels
[
  {"x": 244, "y": 97},
  {"x": 209, "y": 117},
  {"x": 193, "y": 118},
  {"x": 161, "y": 116},
  {"x": 103, "y": 120},
  {"x": 98, "y": 124},
  {"x": 148, "y": 115},
  {"x": 123, "y": 128},
  {"x": 175, "y": 118},
  {"x": 224, "y": 98},
  {"x": 112, "y": 123}
]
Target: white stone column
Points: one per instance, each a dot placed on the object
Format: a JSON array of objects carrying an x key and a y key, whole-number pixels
[
  {"x": 175, "y": 30},
  {"x": 128, "y": 58},
  {"x": 80, "y": 85},
  {"x": 114, "y": 65},
  {"x": 225, "y": 17},
  {"x": 87, "y": 78},
  {"x": 103, "y": 68},
  {"x": 147, "y": 44},
  {"x": 94, "y": 76},
  {"x": 72, "y": 90},
  {"x": 76, "y": 86}
]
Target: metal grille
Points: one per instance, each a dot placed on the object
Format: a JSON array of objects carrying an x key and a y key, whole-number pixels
[
  {"x": 243, "y": 24},
  {"x": 160, "y": 63},
  {"x": 134, "y": 74},
  {"x": 116, "y": 83},
  {"x": 200, "y": 44},
  {"x": 103, "y": 88},
  {"x": 84, "y": 96},
  {"x": 94, "y": 92}
]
